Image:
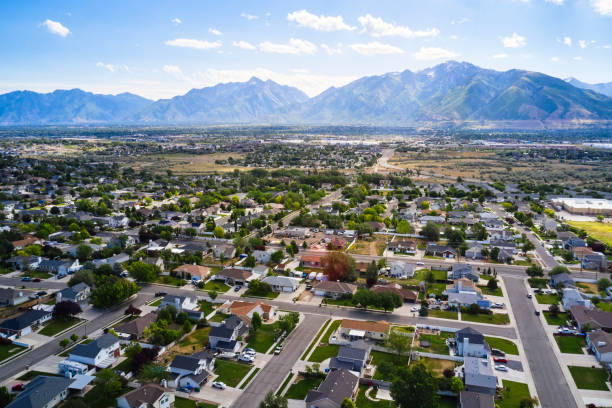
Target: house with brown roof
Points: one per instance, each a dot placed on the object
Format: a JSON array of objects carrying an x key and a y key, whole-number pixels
[
  {"x": 311, "y": 260},
  {"x": 362, "y": 329},
  {"x": 591, "y": 319},
  {"x": 149, "y": 396},
  {"x": 600, "y": 343},
  {"x": 247, "y": 309},
  {"x": 407, "y": 295},
  {"x": 189, "y": 271},
  {"x": 402, "y": 246},
  {"x": 135, "y": 329},
  {"x": 334, "y": 289},
  {"x": 234, "y": 276},
  {"x": 27, "y": 240}
]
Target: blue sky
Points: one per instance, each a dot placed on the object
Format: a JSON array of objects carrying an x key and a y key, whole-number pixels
[{"x": 162, "y": 48}]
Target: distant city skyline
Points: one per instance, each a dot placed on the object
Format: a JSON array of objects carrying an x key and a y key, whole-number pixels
[{"x": 164, "y": 48}]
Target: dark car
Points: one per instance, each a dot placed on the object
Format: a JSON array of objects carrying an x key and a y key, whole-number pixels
[
  {"x": 36, "y": 280},
  {"x": 237, "y": 288},
  {"x": 17, "y": 387},
  {"x": 161, "y": 294},
  {"x": 497, "y": 352},
  {"x": 41, "y": 293},
  {"x": 537, "y": 312}
]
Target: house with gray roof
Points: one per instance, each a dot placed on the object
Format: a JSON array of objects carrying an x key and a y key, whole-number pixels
[
  {"x": 478, "y": 375},
  {"x": 562, "y": 278},
  {"x": 25, "y": 323},
  {"x": 338, "y": 385},
  {"x": 470, "y": 343},
  {"x": 147, "y": 395},
  {"x": 600, "y": 343},
  {"x": 353, "y": 357},
  {"x": 461, "y": 270},
  {"x": 78, "y": 293},
  {"x": 101, "y": 353},
  {"x": 225, "y": 337},
  {"x": 191, "y": 371},
  {"x": 470, "y": 399},
  {"x": 14, "y": 297},
  {"x": 43, "y": 391},
  {"x": 282, "y": 283},
  {"x": 573, "y": 297}
]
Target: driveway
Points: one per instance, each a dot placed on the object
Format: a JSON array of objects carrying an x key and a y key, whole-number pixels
[{"x": 273, "y": 374}]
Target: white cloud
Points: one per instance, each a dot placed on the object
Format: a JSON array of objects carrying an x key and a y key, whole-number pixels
[
  {"x": 461, "y": 21},
  {"x": 214, "y": 31},
  {"x": 454, "y": 37},
  {"x": 514, "y": 41},
  {"x": 577, "y": 58},
  {"x": 555, "y": 59},
  {"x": 172, "y": 70},
  {"x": 249, "y": 16},
  {"x": 500, "y": 56},
  {"x": 375, "y": 48},
  {"x": 294, "y": 46},
  {"x": 377, "y": 27},
  {"x": 434, "y": 53},
  {"x": 555, "y": 2},
  {"x": 108, "y": 67},
  {"x": 320, "y": 23},
  {"x": 244, "y": 45},
  {"x": 191, "y": 43},
  {"x": 332, "y": 51},
  {"x": 567, "y": 41},
  {"x": 176, "y": 21},
  {"x": 603, "y": 7},
  {"x": 56, "y": 28},
  {"x": 582, "y": 43}
]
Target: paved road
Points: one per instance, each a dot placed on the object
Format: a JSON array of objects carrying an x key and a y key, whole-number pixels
[
  {"x": 39, "y": 353},
  {"x": 553, "y": 390},
  {"x": 45, "y": 284},
  {"x": 273, "y": 374}
]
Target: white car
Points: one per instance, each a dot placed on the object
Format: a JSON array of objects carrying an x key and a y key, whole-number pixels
[
  {"x": 246, "y": 358},
  {"x": 219, "y": 385},
  {"x": 249, "y": 353},
  {"x": 500, "y": 367},
  {"x": 414, "y": 309}
]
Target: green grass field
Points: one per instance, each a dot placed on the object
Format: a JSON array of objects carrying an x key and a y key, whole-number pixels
[
  {"x": 598, "y": 230},
  {"x": 570, "y": 344},
  {"x": 507, "y": 346},
  {"x": 379, "y": 357},
  {"x": 56, "y": 326},
  {"x": 229, "y": 372},
  {"x": 512, "y": 394},
  {"x": 557, "y": 320},
  {"x": 217, "y": 286},
  {"x": 364, "y": 402},
  {"x": 7, "y": 351},
  {"x": 537, "y": 282},
  {"x": 545, "y": 299},
  {"x": 299, "y": 390},
  {"x": 495, "y": 318},
  {"x": 263, "y": 338},
  {"x": 489, "y": 292},
  {"x": 437, "y": 344},
  {"x": 324, "y": 352},
  {"x": 588, "y": 378},
  {"x": 443, "y": 314}
]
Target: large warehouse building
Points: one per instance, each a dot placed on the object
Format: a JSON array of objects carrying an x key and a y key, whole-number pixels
[{"x": 587, "y": 206}]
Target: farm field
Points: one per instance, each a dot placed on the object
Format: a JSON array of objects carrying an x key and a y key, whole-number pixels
[{"x": 598, "y": 230}]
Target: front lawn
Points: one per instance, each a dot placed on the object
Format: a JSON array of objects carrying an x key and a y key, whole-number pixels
[
  {"x": 180, "y": 402},
  {"x": 197, "y": 339},
  {"x": 217, "y": 286},
  {"x": 229, "y": 372},
  {"x": 206, "y": 307},
  {"x": 504, "y": 345},
  {"x": 494, "y": 318},
  {"x": 538, "y": 283},
  {"x": 264, "y": 338},
  {"x": 547, "y": 299},
  {"x": 170, "y": 280},
  {"x": 315, "y": 341},
  {"x": 570, "y": 344},
  {"x": 38, "y": 274},
  {"x": 587, "y": 378},
  {"x": 299, "y": 390},
  {"x": 218, "y": 317},
  {"x": 437, "y": 344},
  {"x": 56, "y": 326},
  {"x": 322, "y": 353},
  {"x": 443, "y": 314},
  {"x": 605, "y": 306},
  {"x": 512, "y": 394},
  {"x": 380, "y": 357},
  {"x": 8, "y": 350},
  {"x": 557, "y": 320},
  {"x": 495, "y": 292},
  {"x": 249, "y": 379},
  {"x": 270, "y": 295}
]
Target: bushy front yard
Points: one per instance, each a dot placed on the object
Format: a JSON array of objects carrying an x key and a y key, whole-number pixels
[
  {"x": 588, "y": 378},
  {"x": 229, "y": 372},
  {"x": 570, "y": 344}
]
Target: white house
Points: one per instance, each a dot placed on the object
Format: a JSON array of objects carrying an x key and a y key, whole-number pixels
[
  {"x": 101, "y": 353},
  {"x": 78, "y": 293},
  {"x": 401, "y": 270},
  {"x": 282, "y": 283},
  {"x": 147, "y": 396},
  {"x": 471, "y": 343},
  {"x": 573, "y": 297},
  {"x": 119, "y": 221},
  {"x": 263, "y": 256},
  {"x": 180, "y": 302},
  {"x": 600, "y": 342},
  {"x": 191, "y": 371}
]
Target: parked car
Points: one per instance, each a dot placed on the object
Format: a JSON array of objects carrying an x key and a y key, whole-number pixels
[
  {"x": 497, "y": 352},
  {"x": 17, "y": 387},
  {"x": 500, "y": 360},
  {"x": 249, "y": 350},
  {"x": 26, "y": 279},
  {"x": 249, "y": 353},
  {"x": 420, "y": 263},
  {"x": 277, "y": 351},
  {"x": 500, "y": 367},
  {"x": 41, "y": 293},
  {"x": 36, "y": 280},
  {"x": 219, "y": 385},
  {"x": 308, "y": 286},
  {"x": 537, "y": 312},
  {"x": 237, "y": 288},
  {"x": 246, "y": 358},
  {"x": 161, "y": 294}
]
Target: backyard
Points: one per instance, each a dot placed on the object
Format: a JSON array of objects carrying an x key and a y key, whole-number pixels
[
  {"x": 437, "y": 343},
  {"x": 588, "y": 378},
  {"x": 435, "y": 365},
  {"x": 229, "y": 372},
  {"x": 570, "y": 344},
  {"x": 364, "y": 402}
]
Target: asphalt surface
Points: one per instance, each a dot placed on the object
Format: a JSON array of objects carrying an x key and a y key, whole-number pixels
[
  {"x": 274, "y": 373},
  {"x": 553, "y": 390}
]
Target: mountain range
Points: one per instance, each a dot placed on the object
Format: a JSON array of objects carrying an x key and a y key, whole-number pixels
[{"x": 452, "y": 91}]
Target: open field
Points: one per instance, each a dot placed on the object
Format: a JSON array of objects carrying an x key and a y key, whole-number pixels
[
  {"x": 183, "y": 163},
  {"x": 598, "y": 230}
]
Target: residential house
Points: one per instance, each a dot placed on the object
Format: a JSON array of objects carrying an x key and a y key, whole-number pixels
[
  {"x": 359, "y": 329},
  {"x": 502, "y": 244},
  {"x": 463, "y": 292},
  {"x": 293, "y": 232},
  {"x": 311, "y": 260},
  {"x": 443, "y": 251},
  {"x": 101, "y": 353},
  {"x": 59, "y": 267},
  {"x": 282, "y": 283},
  {"x": 147, "y": 396},
  {"x": 461, "y": 270},
  {"x": 234, "y": 276},
  {"x": 187, "y": 304},
  {"x": 118, "y": 221},
  {"x": 191, "y": 371},
  {"x": 225, "y": 337},
  {"x": 78, "y": 293},
  {"x": 119, "y": 258},
  {"x": 505, "y": 255},
  {"x": 25, "y": 263},
  {"x": 14, "y": 297},
  {"x": 337, "y": 243},
  {"x": 155, "y": 261},
  {"x": 43, "y": 392},
  {"x": 402, "y": 247},
  {"x": 401, "y": 270},
  {"x": 353, "y": 357},
  {"x": 338, "y": 385},
  {"x": 478, "y": 375},
  {"x": 471, "y": 399},
  {"x": 333, "y": 289},
  {"x": 474, "y": 251},
  {"x": 134, "y": 329},
  {"x": 573, "y": 297},
  {"x": 595, "y": 261},
  {"x": 247, "y": 309},
  {"x": 573, "y": 242},
  {"x": 591, "y": 319},
  {"x": 436, "y": 219},
  {"x": 27, "y": 240},
  {"x": 549, "y": 225},
  {"x": 561, "y": 278},
  {"x": 192, "y": 272},
  {"x": 470, "y": 343},
  {"x": 25, "y": 323},
  {"x": 263, "y": 257},
  {"x": 600, "y": 343},
  {"x": 407, "y": 295}
]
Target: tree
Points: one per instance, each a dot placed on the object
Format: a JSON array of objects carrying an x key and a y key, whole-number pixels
[
  {"x": 455, "y": 236},
  {"x": 73, "y": 403},
  {"x": 528, "y": 246},
  {"x": 111, "y": 291},
  {"x": 372, "y": 274},
  {"x": 479, "y": 231},
  {"x": 273, "y": 401},
  {"x": 213, "y": 294},
  {"x": 347, "y": 403},
  {"x": 84, "y": 275},
  {"x": 64, "y": 342},
  {"x": 219, "y": 232},
  {"x": 143, "y": 272},
  {"x": 553, "y": 310},
  {"x": 492, "y": 284},
  {"x": 5, "y": 397},
  {"x": 529, "y": 402},
  {"x": 398, "y": 343},
  {"x": 74, "y": 337},
  {"x": 256, "y": 322},
  {"x": 65, "y": 310},
  {"x": 473, "y": 309},
  {"x": 403, "y": 227},
  {"x": 534, "y": 270},
  {"x": 250, "y": 261},
  {"x": 277, "y": 256},
  {"x": 84, "y": 252},
  {"x": 456, "y": 385},
  {"x": 111, "y": 383},
  {"x": 494, "y": 253},
  {"x": 415, "y": 387},
  {"x": 431, "y": 232},
  {"x": 603, "y": 284},
  {"x": 559, "y": 269},
  {"x": 339, "y": 266}
]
